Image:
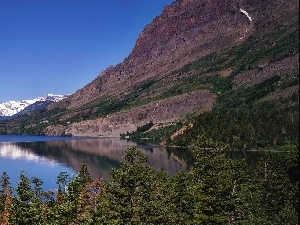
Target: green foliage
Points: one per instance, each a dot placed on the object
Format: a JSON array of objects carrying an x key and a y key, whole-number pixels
[
  {"x": 218, "y": 177},
  {"x": 263, "y": 125},
  {"x": 220, "y": 84},
  {"x": 21, "y": 210},
  {"x": 5, "y": 198},
  {"x": 156, "y": 135},
  {"x": 266, "y": 196},
  {"x": 206, "y": 62},
  {"x": 145, "y": 127},
  {"x": 217, "y": 190},
  {"x": 246, "y": 96},
  {"x": 135, "y": 193}
]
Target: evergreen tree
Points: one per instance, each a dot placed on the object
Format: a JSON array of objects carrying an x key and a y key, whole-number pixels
[
  {"x": 136, "y": 194},
  {"x": 68, "y": 208},
  {"x": 270, "y": 197},
  {"x": 5, "y": 199},
  {"x": 216, "y": 182},
  {"x": 21, "y": 213}
]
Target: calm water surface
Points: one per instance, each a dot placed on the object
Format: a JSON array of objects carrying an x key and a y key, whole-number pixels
[{"x": 46, "y": 157}]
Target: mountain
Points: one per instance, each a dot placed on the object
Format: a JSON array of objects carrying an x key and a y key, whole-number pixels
[
  {"x": 13, "y": 108},
  {"x": 198, "y": 59}
]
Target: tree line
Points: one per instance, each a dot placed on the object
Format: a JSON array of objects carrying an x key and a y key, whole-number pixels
[{"x": 270, "y": 126}]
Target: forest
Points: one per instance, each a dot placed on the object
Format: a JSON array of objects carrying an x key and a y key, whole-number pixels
[
  {"x": 219, "y": 189},
  {"x": 244, "y": 119}
]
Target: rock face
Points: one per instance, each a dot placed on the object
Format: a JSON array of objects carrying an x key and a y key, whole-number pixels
[
  {"x": 185, "y": 31},
  {"x": 162, "y": 111},
  {"x": 267, "y": 70}
]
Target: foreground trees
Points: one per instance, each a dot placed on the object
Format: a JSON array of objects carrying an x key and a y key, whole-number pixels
[{"x": 218, "y": 190}]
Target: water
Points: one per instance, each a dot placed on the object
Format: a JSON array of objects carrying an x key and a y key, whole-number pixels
[{"x": 46, "y": 157}]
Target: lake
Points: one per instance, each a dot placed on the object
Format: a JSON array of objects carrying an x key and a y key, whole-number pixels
[{"x": 45, "y": 157}]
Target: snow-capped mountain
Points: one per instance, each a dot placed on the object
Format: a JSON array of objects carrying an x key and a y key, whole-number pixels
[{"x": 12, "y": 108}]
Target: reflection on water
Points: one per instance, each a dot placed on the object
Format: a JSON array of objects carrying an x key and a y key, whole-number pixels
[
  {"x": 100, "y": 155},
  {"x": 13, "y": 151}
]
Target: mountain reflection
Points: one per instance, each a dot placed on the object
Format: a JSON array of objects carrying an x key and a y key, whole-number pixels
[
  {"x": 13, "y": 151},
  {"x": 100, "y": 155}
]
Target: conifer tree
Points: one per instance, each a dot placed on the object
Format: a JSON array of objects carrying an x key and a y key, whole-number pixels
[
  {"x": 216, "y": 181},
  {"x": 21, "y": 213},
  {"x": 135, "y": 195},
  {"x": 5, "y": 199}
]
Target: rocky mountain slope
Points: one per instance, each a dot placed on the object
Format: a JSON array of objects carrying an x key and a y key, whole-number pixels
[
  {"x": 185, "y": 31},
  {"x": 187, "y": 59}
]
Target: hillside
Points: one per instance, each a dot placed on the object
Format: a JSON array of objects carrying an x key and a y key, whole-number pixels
[{"x": 196, "y": 58}]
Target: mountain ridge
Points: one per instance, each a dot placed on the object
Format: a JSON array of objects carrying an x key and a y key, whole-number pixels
[
  {"x": 194, "y": 58},
  {"x": 11, "y": 108},
  {"x": 158, "y": 48}
]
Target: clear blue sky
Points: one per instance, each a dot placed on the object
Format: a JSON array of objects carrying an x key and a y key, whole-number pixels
[{"x": 59, "y": 46}]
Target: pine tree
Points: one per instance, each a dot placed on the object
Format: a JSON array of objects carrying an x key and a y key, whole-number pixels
[
  {"x": 5, "y": 199},
  {"x": 216, "y": 181},
  {"x": 136, "y": 194},
  {"x": 21, "y": 213}
]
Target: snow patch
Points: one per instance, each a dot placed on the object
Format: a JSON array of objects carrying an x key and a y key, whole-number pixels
[
  {"x": 247, "y": 14},
  {"x": 11, "y": 108},
  {"x": 244, "y": 34},
  {"x": 250, "y": 20}
]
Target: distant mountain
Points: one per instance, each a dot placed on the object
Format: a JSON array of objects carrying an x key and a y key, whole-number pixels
[{"x": 13, "y": 108}]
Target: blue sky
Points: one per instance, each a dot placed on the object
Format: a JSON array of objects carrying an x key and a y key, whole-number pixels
[{"x": 59, "y": 46}]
